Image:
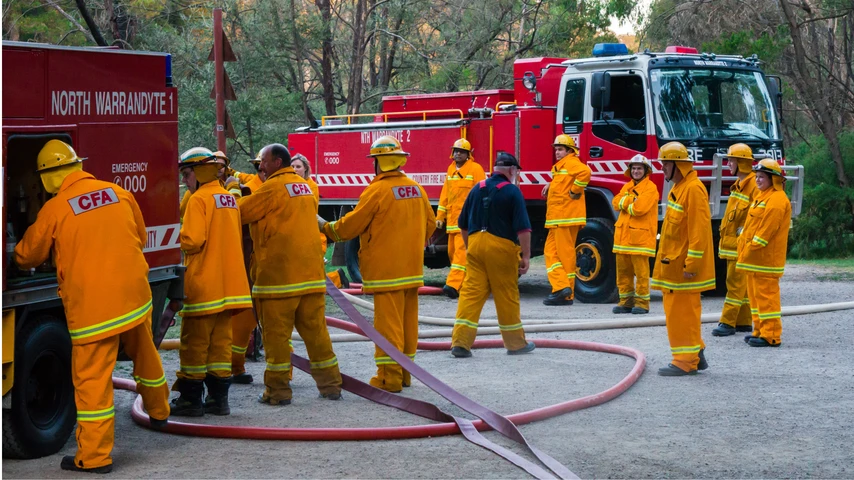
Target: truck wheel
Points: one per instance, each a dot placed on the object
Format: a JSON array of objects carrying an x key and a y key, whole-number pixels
[
  {"x": 43, "y": 414},
  {"x": 596, "y": 269},
  {"x": 351, "y": 259}
]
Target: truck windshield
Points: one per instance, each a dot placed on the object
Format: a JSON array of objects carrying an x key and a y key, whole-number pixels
[{"x": 705, "y": 103}]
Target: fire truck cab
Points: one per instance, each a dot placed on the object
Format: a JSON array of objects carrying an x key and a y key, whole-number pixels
[
  {"x": 119, "y": 109},
  {"x": 615, "y": 105}
]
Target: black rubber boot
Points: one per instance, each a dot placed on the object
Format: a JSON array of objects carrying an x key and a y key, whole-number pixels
[
  {"x": 621, "y": 309},
  {"x": 673, "y": 371},
  {"x": 639, "y": 311},
  {"x": 723, "y": 330},
  {"x": 703, "y": 363},
  {"x": 218, "y": 391},
  {"x": 189, "y": 404},
  {"x": 526, "y": 349},
  {"x": 450, "y": 292},
  {"x": 345, "y": 282},
  {"x": 68, "y": 464},
  {"x": 744, "y": 328},
  {"x": 460, "y": 352},
  {"x": 761, "y": 342},
  {"x": 560, "y": 297},
  {"x": 244, "y": 378}
]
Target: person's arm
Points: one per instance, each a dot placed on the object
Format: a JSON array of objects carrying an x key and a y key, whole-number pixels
[
  {"x": 766, "y": 230},
  {"x": 525, "y": 243},
  {"x": 357, "y": 221},
  {"x": 194, "y": 232},
  {"x": 582, "y": 174},
  {"x": 699, "y": 221},
  {"x": 442, "y": 210},
  {"x": 646, "y": 200},
  {"x": 139, "y": 220},
  {"x": 621, "y": 200},
  {"x": 254, "y": 207},
  {"x": 432, "y": 223},
  {"x": 35, "y": 247}
]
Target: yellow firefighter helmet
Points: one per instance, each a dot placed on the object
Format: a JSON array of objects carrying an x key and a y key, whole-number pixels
[
  {"x": 772, "y": 168},
  {"x": 743, "y": 155},
  {"x": 193, "y": 156},
  {"x": 388, "y": 153},
  {"x": 221, "y": 158},
  {"x": 638, "y": 160},
  {"x": 564, "y": 140},
  {"x": 674, "y": 152},
  {"x": 56, "y": 153},
  {"x": 461, "y": 144}
]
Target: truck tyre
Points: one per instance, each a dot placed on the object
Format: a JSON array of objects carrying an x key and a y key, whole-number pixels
[
  {"x": 43, "y": 413},
  {"x": 351, "y": 258},
  {"x": 596, "y": 269}
]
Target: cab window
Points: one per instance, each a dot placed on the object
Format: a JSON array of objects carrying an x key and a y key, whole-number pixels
[{"x": 623, "y": 120}]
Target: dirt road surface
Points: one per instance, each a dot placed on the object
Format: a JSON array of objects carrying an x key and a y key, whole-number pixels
[{"x": 756, "y": 413}]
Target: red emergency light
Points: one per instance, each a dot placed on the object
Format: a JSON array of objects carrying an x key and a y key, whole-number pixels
[{"x": 680, "y": 49}]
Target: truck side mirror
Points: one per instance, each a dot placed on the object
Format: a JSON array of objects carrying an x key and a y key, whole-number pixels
[
  {"x": 775, "y": 89},
  {"x": 600, "y": 91}
]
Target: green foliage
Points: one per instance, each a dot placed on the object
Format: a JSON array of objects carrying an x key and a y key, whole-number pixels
[
  {"x": 767, "y": 47},
  {"x": 825, "y": 227}
]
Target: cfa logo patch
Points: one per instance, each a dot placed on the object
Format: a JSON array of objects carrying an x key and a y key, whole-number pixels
[
  {"x": 224, "y": 200},
  {"x": 298, "y": 189},
  {"x": 404, "y": 192},
  {"x": 92, "y": 200}
]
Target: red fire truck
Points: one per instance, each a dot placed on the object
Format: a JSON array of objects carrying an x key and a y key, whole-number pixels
[
  {"x": 120, "y": 110},
  {"x": 614, "y": 104}
]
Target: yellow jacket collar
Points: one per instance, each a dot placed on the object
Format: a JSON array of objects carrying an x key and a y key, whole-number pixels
[{"x": 74, "y": 177}]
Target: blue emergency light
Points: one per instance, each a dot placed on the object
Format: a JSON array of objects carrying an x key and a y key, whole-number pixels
[
  {"x": 610, "y": 49},
  {"x": 168, "y": 70}
]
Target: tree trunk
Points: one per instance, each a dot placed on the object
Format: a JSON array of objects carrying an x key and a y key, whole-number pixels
[
  {"x": 326, "y": 56},
  {"x": 815, "y": 97},
  {"x": 354, "y": 87},
  {"x": 93, "y": 27},
  {"x": 300, "y": 77}
]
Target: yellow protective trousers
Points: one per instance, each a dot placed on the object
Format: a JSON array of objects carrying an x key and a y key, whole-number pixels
[
  {"x": 205, "y": 347},
  {"x": 457, "y": 255},
  {"x": 279, "y": 317},
  {"x": 764, "y": 294},
  {"x": 633, "y": 280},
  {"x": 736, "y": 312},
  {"x": 92, "y": 367},
  {"x": 493, "y": 268},
  {"x": 396, "y": 318},
  {"x": 560, "y": 257},
  {"x": 682, "y": 313},
  {"x": 242, "y": 325}
]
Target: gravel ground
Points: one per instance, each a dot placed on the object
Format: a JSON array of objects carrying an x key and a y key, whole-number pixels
[{"x": 758, "y": 413}]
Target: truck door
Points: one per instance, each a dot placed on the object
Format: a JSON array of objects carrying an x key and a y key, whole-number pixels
[{"x": 618, "y": 126}]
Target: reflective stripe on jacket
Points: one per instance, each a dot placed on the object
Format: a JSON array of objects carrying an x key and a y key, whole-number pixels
[
  {"x": 637, "y": 226},
  {"x": 569, "y": 175},
  {"x": 741, "y": 194},
  {"x": 686, "y": 240},
  {"x": 455, "y": 190},
  {"x": 97, "y": 235},
  {"x": 211, "y": 240},
  {"x": 393, "y": 220},
  {"x": 282, "y": 218},
  {"x": 763, "y": 242}
]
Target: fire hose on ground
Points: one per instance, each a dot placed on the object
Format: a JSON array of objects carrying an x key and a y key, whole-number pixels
[{"x": 453, "y": 425}]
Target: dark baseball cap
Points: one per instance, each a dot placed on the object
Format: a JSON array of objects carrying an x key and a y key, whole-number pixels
[{"x": 505, "y": 159}]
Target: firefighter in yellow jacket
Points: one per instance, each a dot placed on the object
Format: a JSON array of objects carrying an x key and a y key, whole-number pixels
[
  {"x": 566, "y": 214},
  {"x": 97, "y": 234},
  {"x": 634, "y": 236},
  {"x": 210, "y": 233},
  {"x": 303, "y": 169},
  {"x": 735, "y": 316},
  {"x": 684, "y": 265},
  {"x": 762, "y": 253},
  {"x": 393, "y": 218},
  {"x": 290, "y": 284},
  {"x": 242, "y": 321},
  {"x": 463, "y": 174}
]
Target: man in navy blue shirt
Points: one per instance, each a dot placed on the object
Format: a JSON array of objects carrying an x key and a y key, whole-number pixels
[{"x": 495, "y": 226}]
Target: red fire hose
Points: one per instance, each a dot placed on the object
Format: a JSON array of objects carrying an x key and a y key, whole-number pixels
[
  {"x": 356, "y": 289},
  {"x": 409, "y": 431}
]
